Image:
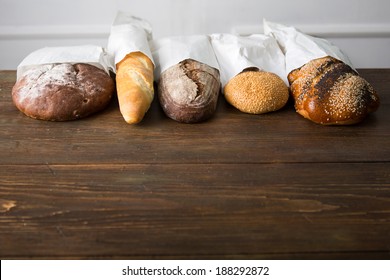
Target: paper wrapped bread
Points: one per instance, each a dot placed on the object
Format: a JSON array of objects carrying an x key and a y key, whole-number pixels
[
  {"x": 188, "y": 77},
  {"x": 128, "y": 44},
  {"x": 63, "y": 83},
  {"x": 325, "y": 87}
]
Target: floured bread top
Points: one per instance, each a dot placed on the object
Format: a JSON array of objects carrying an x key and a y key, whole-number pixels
[
  {"x": 60, "y": 92},
  {"x": 188, "y": 91}
]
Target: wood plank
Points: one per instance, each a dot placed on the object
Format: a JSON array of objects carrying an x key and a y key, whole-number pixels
[
  {"x": 380, "y": 80},
  {"x": 193, "y": 210},
  {"x": 270, "y": 139},
  {"x": 229, "y": 137},
  {"x": 237, "y": 186}
]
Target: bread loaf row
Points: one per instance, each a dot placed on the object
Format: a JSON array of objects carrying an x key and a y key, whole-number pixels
[{"x": 325, "y": 90}]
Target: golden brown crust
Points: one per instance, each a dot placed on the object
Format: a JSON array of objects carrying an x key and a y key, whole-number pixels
[
  {"x": 134, "y": 81},
  {"x": 328, "y": 91},
  {"x": 256, "y": 92}
]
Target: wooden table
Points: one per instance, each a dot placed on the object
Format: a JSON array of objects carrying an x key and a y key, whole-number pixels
[{"x": 238, "y": 186}]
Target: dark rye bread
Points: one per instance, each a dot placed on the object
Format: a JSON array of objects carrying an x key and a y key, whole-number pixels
[
  {"x": 62, "y": 92},
  {"x": 328, "y": 91},
  {"x": 188, "y": 91}
]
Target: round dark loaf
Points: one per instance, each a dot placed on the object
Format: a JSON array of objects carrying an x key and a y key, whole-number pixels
[
  {"x": 188, "y": 91},
  {"x": 62, "y": 92},
  {"x": 328, "y": 91}
]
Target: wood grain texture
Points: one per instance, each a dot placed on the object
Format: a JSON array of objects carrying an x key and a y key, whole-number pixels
[
  {"x": 229, "y": 137},
  {"x": 191, "y": 209},
  {"x": 235, "y": 187}
]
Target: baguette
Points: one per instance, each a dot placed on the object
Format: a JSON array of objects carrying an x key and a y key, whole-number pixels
[{"x": 134, "y": 81}]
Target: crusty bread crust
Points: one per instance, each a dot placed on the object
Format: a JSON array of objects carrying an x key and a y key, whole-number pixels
[
  {"x": 328, "y": 91},
  {"x": 188, "y": 91},
  {"x": 134, "y": 82},
  {"x": 62, "y": 92}
]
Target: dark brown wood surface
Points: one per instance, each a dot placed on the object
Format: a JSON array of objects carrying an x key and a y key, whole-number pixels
[{"x": 238, "y": 186}]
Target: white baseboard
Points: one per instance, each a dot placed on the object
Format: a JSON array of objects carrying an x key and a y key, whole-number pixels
[
  {"x": 102, "y": 31},
  {"x": 330, "y": 31},
  {"x": 53, "y": 31},
  {"x": 366, "y": 45}
]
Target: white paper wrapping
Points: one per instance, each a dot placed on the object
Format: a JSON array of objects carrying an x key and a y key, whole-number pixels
[
  {"x": 89, "y": 54},
  {"x": 300, "y": 48},
  {"x": 128, "y": 34},
  {"x": 170, "y": 51},
  {"x": 235, "y": 53}
]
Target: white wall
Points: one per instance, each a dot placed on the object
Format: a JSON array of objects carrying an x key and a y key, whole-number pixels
[{"x": 360, "y": 27}]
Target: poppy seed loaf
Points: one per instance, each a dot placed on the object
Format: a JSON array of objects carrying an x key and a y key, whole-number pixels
[{"x": 327, "y": 91}]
